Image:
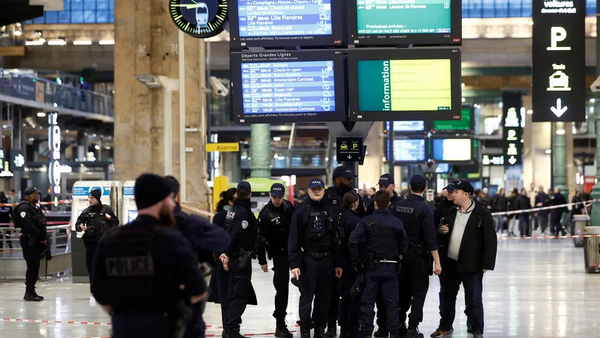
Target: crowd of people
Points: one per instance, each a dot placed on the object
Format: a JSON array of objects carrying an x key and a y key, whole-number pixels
[{"x": 522, "y": 223}]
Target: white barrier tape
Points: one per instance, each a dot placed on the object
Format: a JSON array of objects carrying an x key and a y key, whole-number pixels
[
  {"x": 545, "y": 237},
  {"x": 516, "y": 212},
  {"x": 196, "y": 210}
]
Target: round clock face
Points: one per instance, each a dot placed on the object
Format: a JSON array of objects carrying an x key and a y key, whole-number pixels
[{"x": 199, "y": 18}]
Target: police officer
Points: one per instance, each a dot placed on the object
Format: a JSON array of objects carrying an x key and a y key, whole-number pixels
[
  {"x": 386, "y": 183},
  {"x": 243, "y": 228},
  {"x": 349, "y": 309},
  {"x": 206, "y": 239},
  {"x": 343, "y": 180},
  {"x": 145, "y": 272},
  {"x": 95, "y": 220},
  {"x": 417, "y": 218},
  {"x": 385, "y": 242},
  {"x": 274, "y": 223},
  {"x": 30, "y": 218},
  {"x": 313, "y": 248}
]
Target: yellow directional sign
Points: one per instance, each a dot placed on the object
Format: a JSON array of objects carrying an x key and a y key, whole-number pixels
[{"x": 223, "y": 147}]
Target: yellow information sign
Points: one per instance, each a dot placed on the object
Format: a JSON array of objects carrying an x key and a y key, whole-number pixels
[{"x": 223, "y": 147}]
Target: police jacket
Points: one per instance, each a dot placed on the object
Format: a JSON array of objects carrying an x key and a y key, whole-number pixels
[
  {"x": 417, "y": 218},
  {"x": 205, "y": 238},
  {"x": 30, "y": 218},
  {"x": 94, "y": 217},
  {"x": 312, "y": 232},
  {"x": 393, "y": 200},
  {"x": 334, "y": 198},
  {"x": 140, "y": 267},
  {"x": 274, "y": 224},
  {"x": 350, "y": 220},
  {"x": 479, "y": 243},
  {"x": 383, "y": 235},
  {"x": 242, "y": 226}
]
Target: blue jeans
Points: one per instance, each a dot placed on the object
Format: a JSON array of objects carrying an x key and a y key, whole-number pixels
[
  {"x": 501, "y": 220},
  {"x": 524, "y": 225}
]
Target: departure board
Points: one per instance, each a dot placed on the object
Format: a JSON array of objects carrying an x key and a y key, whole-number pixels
[
  {"x": 283, "y": 84},
  {"x": 452, "y": 149},
  {"x": 284, "y": 17},
  {"x": 409, "y": 150},
  {"x": 403, "y": 16},
  {"x": 286, "y": 23}
]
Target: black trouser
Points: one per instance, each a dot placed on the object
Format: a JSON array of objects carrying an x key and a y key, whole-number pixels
[
  {"x": 240, "y": 286},
  {"x": 315, "y": 283},
  {"x": 32, "y": 254},
  {"x": 543, "y": 221},
  {"x": 90, "y": 252},
  {"x": 349, "y": 309},
  {"x": 381, "y": 312},
  {"x": 555, "y": 225},
  {"x": 383, "y": 279},
  {"x": 222, "y": 278},
  {"x": 281, "y": 282},
  {"x": 473, "y": 285},
  {"x": 195, "y": 328},
  {"x": 414, "y": 284}
]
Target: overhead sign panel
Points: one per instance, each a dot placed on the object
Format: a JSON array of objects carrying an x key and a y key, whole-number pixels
[
  {"x": 558, "y": 60},
  {"x": 404, "y": 84},
  {"x": 349, "y": 149},
  {"x": 395, "y": 22},
  {"x": 294, "y": 86},
  {"x": 285, "y": 23},
  {"x": 223, "y": 147},
  {"x": 512, "y": 129}
]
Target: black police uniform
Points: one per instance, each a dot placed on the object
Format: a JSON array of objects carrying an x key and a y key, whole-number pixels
[
  {"x": 417, "y": 218},
  {"x": 31, "y": 220},
  {"x": 349, "y": 309},
  {"x": 314, "y": 248},
  {"x": 206, "y": 240},
  {"x": 138, "y": 271},
  {"x": 334, "y": 198},
  {"x": 243, "y": 228},
  {"x": 385, "y": 240},
  {"x": 219, "y": 283},
  {"x": 97, "y": 225},
  {"x": 274, "y": 223}
]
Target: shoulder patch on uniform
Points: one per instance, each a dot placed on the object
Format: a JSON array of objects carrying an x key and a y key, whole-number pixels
[
  {"x": 23, "y": 214},
  {"x": 244, "y": 225}
]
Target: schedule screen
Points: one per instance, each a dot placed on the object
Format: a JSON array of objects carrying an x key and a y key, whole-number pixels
[
  {"x": 464, "y": 124},
  {"x": 408, "y": 126},
  {"x": 394, "y": 17},
  {"x": 409, "y": 150},
  {"x": 263, "y": 18},
  {"x": 459, "y": 150},
  {"x": 290, "y": 86},
  {"x": 404, "y": 85}
]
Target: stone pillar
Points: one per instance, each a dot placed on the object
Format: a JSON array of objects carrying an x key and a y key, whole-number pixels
[
  {"x": 559, "y": 153},
  {"x": 260, "y": 150},
  {"x": 146, "y": 43}
]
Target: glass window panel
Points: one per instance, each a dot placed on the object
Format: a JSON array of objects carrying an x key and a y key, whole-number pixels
[
  {"x": 102, "y": 5},
  {"x": 51, "y": 16},
  {"x": 102, "y": 17},
  {"x": 501, "y": 8},
  {"x": 111, "y": 4},
  {"x": 77, "y": 17},
  {"x": 76, "y": 4},
  {"x": 41, "y": 19},
  {"x": 526, "y": 8},
  {"x": 64, "y": 17},
  {"x": 67, "y": 5},
  {"x": 112, "y": 17},
  {"x": 89, "y": 17}
]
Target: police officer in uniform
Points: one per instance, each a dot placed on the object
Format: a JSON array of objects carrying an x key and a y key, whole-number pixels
[
  {"x": 30, "y": 218},
  {"x": 386, "y": 183},
  {"x": 417, "y": 218},
  {"x": 385, "y": 242},
  {"x": 314, "y": 255},
  {"x": 95, "y": 220},
  {"x": 343, "y": 180},
  {"x": 349, "y": 309},
  {"x": 243, "y": 229},
  {"x": 146, "y": 272},
  {"x": 206, "y": 240},
  {"x": 274, "y": 224}
]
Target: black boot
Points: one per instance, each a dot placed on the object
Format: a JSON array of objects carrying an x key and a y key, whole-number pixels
[
  {"x": 31, "y": 295},
  {"x": 304, "y": 332},
  {"x": 235, "y": 333},
  {"x": 414, "y": 333},
  {"x": 332, "y": 329},
  {"x": 343, "y": 331},
  {"x": 320, "y": 332},
  {"x": 281, "y": 330},
  {"x": 382, "y": 332}
]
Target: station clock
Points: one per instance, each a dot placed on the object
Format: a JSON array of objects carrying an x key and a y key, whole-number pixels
[{"x": 199, "y": 18}]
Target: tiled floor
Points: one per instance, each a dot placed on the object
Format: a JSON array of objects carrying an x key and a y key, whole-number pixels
[{"x": 539, "y": 289}]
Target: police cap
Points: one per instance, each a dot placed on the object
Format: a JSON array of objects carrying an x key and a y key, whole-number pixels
[
  {"x": 277, "y": 190},
  {"x": 386, "y": 179},
  {"x": 418, "y": 183},
  {"x": 244, "y": 186},
  {"x": 343, "y": 172},
  {"x": 30, "y": 191},
  {"x": 315, "y": 182},
  {"x": 464, "y": 186}
]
